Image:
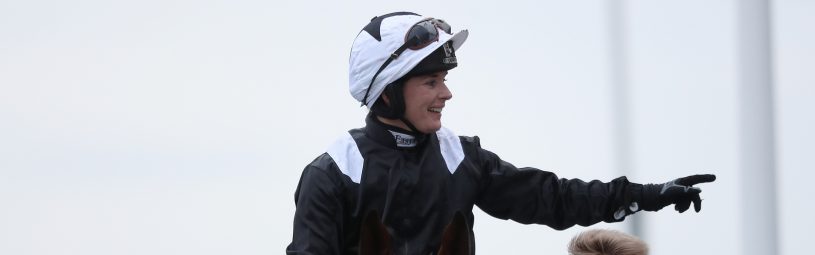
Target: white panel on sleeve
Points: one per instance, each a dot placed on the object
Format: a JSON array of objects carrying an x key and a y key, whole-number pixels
[
  {"x": 451, "y": 149},
  {"x": 346, "y": 154}
]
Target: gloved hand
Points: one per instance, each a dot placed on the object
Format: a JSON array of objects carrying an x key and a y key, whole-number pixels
[{"x": 679, "y": 192}]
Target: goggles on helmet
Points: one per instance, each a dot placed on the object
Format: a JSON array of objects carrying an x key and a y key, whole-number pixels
[{"x": 420, "y": 35}]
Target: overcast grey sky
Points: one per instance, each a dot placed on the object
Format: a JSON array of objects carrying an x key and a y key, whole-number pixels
[{"x": 181, "y": 127}]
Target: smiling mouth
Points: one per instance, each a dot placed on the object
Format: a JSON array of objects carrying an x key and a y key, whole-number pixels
[{"x": 433, "y": 109}]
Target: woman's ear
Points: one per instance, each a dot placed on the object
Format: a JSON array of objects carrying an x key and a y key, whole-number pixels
[{"x": 386, "y": 99}]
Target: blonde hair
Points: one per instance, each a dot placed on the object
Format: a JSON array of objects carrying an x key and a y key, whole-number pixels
[{"x": 606, "y": 242}]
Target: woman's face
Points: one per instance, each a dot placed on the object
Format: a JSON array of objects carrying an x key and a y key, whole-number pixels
[{"x": 425, "y": 96}]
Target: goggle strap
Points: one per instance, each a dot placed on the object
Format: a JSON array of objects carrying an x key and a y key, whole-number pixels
[{"x": 393, "y": 56}]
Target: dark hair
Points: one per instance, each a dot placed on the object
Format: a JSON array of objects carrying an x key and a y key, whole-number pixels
[{"x": 395, "y": 108}]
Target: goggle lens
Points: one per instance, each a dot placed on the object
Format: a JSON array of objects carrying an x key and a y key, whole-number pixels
[{"x": 425, "y": 32}]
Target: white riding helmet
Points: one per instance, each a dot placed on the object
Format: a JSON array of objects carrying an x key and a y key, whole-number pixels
[{"x": 383, "y": 51}]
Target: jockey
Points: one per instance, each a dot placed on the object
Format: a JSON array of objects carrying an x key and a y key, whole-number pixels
[{"x": 404, "y": 166}]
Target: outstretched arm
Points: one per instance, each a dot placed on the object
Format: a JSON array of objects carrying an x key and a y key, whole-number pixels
[{"x": 530, "y": 195}]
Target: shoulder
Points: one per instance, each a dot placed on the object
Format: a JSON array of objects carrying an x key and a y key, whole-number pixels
[
  {"x": 468, "y": 147},
  {"x": 447, "y": 135},
  {"x": 345, "y": 155},
  {"x": 455, "y": 148}
]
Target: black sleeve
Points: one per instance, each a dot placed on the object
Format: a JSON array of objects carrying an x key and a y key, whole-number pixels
[
  {"x": 318, "y": 217},
  {"x": 529, "y": 195}
]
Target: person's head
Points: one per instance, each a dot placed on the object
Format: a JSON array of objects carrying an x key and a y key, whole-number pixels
[
  {"x": 606, "y": 242},
  {"x": 398, "y": 64}
]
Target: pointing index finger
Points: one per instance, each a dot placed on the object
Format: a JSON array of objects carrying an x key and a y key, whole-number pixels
[{"x": 696, "y": 179}]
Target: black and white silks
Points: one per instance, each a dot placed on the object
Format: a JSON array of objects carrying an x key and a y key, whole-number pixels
[{"x": 417, "y": 191}]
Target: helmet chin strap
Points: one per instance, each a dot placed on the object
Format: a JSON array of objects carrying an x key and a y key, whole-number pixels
[{"x": 410, "y": 125}]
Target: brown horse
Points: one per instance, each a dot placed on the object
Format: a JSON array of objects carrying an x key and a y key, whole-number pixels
[{"x": 375, "y": 240}]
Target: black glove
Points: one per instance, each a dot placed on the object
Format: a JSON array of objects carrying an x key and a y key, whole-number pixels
[{"x": 679, "y": 192}]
